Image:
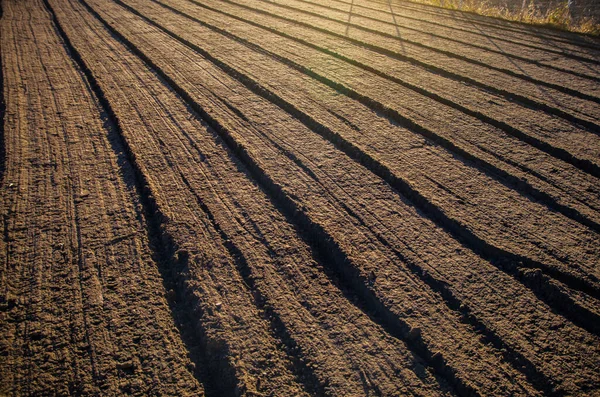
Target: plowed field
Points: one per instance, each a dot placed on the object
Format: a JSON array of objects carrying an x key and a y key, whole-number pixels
[{"x": 296, "y": 197}]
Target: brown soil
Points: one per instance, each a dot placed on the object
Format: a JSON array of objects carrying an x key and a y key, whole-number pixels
[{"x": 296, "y": 197}]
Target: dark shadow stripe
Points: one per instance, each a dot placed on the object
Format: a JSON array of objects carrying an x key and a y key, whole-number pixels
[
  {"x": 477, "y": 46},
  {"x": 312, "y": 233},
  {"x": 478, "y": 33},
  {"x": 450, "y": 54},
  {"x": 164, "y": 249},
  {"x": 490, "y": 170},
  {"x": 454, "y": 227},
  {"x": 510, "y": 96}
]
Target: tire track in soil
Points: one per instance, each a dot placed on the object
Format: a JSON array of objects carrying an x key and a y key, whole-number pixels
[
  {"x": 581, "y": 71},
  {"x": 321, "y": 242},
  {"x": 579, "y": 92},
  {"x": 263, "y": 172},
  {"x": 491, "y": 170},
  {"x": 490, "y": 252},
  {"x": 172, "y": 263},
  {"x": 582, "y": 120}
]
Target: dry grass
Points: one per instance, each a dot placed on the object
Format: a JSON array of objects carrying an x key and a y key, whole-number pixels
[{"x": 557, "y": 17}]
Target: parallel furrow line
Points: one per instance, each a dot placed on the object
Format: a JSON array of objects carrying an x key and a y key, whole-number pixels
[
  {"x": 582, "y": 164},
  {"x": 503, "y": 259},
  {"x": 303, "y": 372},
  {"x": 76, "y": 221},
  {"x": 412, "y": 125},
  {"x": 501, "y": 24},
  {"x": 511, "y": 96},
  {"x": 522, "y": 76},
  {"x": 311, "y": 232},
  {"x": 377, "y": 106},
  {"x": 162, "y": 243},
  {"x": 504, "y": 39},
  {"x": 430, "y": 33}
]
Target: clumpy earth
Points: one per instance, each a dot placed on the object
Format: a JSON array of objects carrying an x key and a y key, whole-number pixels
[{"x": 296, "y": 197}]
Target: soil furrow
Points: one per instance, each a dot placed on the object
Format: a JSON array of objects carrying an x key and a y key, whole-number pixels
[
  {"x": 492, "y": 170},
  {"x": 118, "y": 21},
  {"x": 279, "y": 300},
  {"x": 427, "y": 81},
  {"x": 518, "y": 128},
  {"x": 534, "y": 32},
  {"x": 160, "y": 243},
  {"x": 197, "y": 314},
  {"x": 385, "y": 170},
  {"x": 236, "y": 148},
  {"x": 301, "y": 370},
  {"x": 464, "y": 44},
  {"x": 385, "y": 10},
  {"x": 290, "y": 197},
  {"x": 581, "y": 315},
  {"x": 572, "y": 109},
  {"x": 541, "y": 76},
  {"x": 242, "y": 152},
  {"x": 77, "y": 261},
  {"x": 496, "y": 108}
]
